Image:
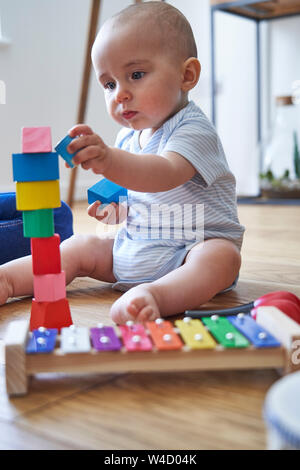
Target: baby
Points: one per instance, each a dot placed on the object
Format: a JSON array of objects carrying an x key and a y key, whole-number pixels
[{"x": 180, "y": 244}]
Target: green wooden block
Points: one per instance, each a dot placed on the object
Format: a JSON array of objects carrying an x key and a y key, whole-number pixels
[
  {"x": 224, "y": 332},
  {"x": 38, "y": 223}
]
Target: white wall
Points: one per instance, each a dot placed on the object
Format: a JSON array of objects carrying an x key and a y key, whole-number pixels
[
  {"x": 42, "y": 69},
  {"x": 197, "y": 12}
]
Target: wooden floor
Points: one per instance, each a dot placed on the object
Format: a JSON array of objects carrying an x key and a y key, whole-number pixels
[{"x": 190, "y": 410}]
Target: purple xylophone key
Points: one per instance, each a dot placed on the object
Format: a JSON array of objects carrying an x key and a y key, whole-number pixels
[{"x": 104, "y": 338}]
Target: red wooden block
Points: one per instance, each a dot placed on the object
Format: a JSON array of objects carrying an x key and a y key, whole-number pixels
[
  {"x": 46, "y": 255},
  {"x": 50, "y": 314},
  {"x": 36, "y": 139}
]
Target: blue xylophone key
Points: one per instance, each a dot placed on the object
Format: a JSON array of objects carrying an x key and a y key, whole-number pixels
[
  {"x": 258, "y": 336},
  {"x": 41, "y": 340}
]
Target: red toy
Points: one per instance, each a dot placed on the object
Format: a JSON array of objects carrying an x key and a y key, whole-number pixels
[
  {"x": 286, "y": 302},
  {"x": 50, "y": 314},
  {"x": 279, "y": 294},
  {"x": 46, "y": 255}
]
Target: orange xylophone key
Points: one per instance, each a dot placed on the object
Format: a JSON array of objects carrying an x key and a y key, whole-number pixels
[{"x": 163, "y": 335}]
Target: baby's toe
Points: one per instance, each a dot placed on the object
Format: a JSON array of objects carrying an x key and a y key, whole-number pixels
[
  {"x": 120, "y": 315},
  {"x": 132, "y": 308},
  {"x": 145, "y": 314},
  {"x": 136, "y": 305}
]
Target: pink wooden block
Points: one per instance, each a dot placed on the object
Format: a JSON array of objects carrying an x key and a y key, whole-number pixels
[
  {"x": 36, "y": 139},
  {"x": 49, "y": 287}
]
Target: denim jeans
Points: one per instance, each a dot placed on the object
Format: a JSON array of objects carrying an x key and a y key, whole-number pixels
[{"x": 12, "y": 242}]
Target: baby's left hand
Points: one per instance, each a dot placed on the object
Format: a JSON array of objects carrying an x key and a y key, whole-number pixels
[
  {"x": 92, "y": 152},
  {"x": 111, "y": 214}
]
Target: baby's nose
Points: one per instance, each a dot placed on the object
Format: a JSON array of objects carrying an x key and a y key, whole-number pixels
[{"x": 123, "y": 94}]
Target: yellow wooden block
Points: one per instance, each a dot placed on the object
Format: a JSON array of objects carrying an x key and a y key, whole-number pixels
[
  {"x": 37, "y": 195},
  {"x": 194, "y": 334}
]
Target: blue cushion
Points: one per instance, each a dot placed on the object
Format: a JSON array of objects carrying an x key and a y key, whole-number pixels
[{"x": 12, "y": 242}]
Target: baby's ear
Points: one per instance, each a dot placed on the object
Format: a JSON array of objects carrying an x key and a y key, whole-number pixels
[{"x": 191, "y": 73}]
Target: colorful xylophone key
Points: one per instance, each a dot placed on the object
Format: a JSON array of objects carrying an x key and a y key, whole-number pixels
[
  {"x": 258, "y": 335},
  {"x": 195, "y": 334},
  {"x": 164, "y": 335},
  {"x": 42, "y": 340},
  {"x": 104, "y": 338},
  {"x": 135, "y": 337},
  {"x": 75, "y": 339},
  {"x": 225, "y": 333}
]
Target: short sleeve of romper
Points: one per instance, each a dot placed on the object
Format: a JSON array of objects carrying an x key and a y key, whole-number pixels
[{"x": 196, "y": 139}]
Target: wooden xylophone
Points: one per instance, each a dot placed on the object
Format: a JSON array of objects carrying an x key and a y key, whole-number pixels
[{"x": 212, "y": 343}]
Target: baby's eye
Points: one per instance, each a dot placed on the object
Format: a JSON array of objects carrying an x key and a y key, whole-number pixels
[
  {"x": 137, "y": 75},
  {"x": 110, "y": 85}
]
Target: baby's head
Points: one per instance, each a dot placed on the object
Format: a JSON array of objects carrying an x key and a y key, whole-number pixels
[{"x": 145, "y": 57}]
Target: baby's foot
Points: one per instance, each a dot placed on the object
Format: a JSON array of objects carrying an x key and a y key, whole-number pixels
[
  {"x": 138, "y": 304},
  {"x": 5, "y": 290}
]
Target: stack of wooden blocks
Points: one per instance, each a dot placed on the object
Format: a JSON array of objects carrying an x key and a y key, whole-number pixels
[{"x": 36, "y": 172}]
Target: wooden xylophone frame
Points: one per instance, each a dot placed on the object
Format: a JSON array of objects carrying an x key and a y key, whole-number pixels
[{"x": 20, "y": 366}]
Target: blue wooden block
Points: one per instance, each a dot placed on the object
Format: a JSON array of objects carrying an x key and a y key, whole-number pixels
[
  {"x": 35, "y": 166},
  {"x": 106, "y": 192},
  {"x": 258, "y": 336},
  {"x": 61, "y": 148},
  {"x": 41, "y": 341}
]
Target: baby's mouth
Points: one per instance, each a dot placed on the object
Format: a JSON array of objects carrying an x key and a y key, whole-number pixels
[{"x": 129, "y": 114}]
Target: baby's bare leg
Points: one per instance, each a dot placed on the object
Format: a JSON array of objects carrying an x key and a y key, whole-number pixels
[
  {"x": 81, "y": 255},
  {"x": 88, "y": 255},
  {"x": 209, "y": 268}
]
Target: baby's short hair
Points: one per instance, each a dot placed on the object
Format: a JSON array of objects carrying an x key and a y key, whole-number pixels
[{"x": 175, "y": 30}]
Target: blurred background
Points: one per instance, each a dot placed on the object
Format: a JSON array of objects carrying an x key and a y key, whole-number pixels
[{"x": 42, "y": 53}]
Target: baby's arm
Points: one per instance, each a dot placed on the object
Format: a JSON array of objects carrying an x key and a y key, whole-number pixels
[{"x": 138, "y": 172}]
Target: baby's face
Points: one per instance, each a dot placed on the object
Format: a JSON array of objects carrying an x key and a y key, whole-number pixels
[{"x": 142, "y": 84}]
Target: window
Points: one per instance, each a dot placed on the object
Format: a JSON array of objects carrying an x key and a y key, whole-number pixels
[{"x": 3, "y": 40}]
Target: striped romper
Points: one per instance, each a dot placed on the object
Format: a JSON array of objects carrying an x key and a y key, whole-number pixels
[{"x": 162, "y": 227}]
